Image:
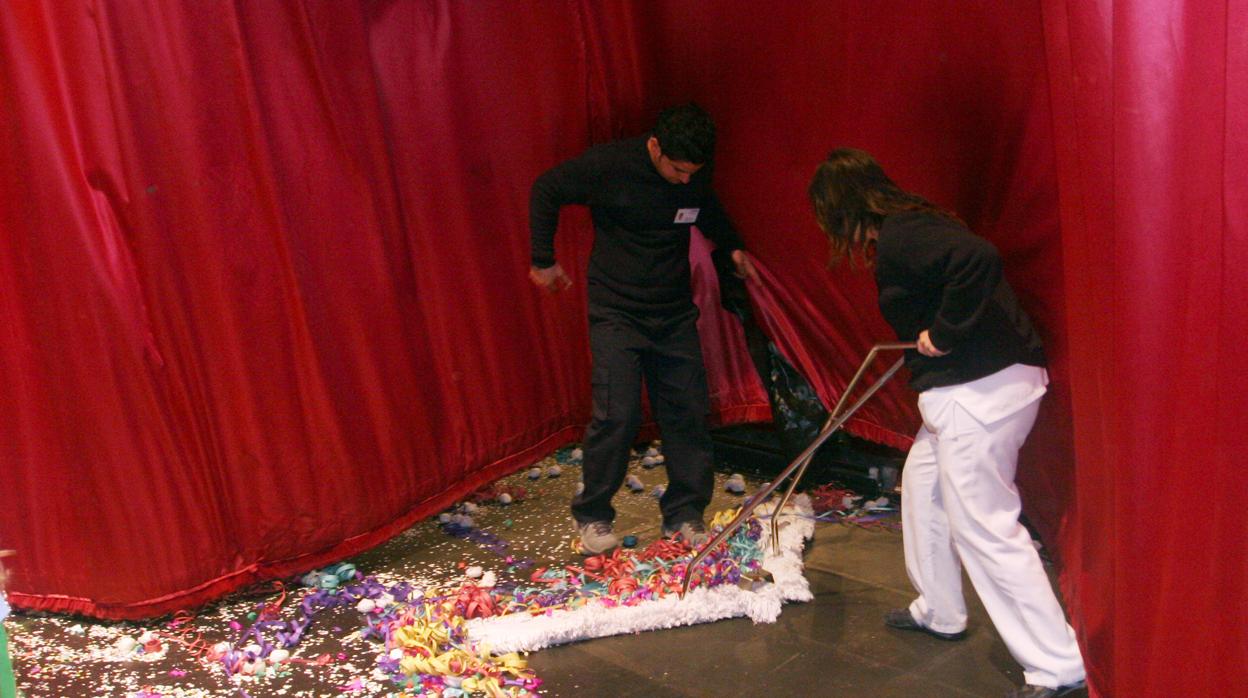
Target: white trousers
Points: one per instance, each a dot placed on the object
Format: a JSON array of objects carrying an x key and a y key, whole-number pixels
[{"x": 960, "y": 509}]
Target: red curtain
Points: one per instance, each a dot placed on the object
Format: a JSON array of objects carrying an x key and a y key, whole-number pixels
[
  {"x": 263, "y": 278},
  {"x": 262, "y": 270},
  {"x": 1151, "y": 132}
]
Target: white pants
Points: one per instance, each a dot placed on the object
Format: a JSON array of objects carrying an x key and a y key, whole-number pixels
[{"x": 960, "y": 508}]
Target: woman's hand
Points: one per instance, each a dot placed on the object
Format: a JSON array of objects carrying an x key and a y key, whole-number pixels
[
  {"x": 552, "y": 279},
  {"x": 926, "y": 348}
]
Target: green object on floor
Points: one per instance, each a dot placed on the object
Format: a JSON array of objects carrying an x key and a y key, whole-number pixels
[{"x": 8, "y": 688}]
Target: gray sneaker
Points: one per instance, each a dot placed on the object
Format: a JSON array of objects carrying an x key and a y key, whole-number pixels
[
  {"x": 596, "y": 537},
  {"x": 693, "y": 533}
]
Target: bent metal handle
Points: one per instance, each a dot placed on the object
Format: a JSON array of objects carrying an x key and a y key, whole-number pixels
[
  {"x": 832, "y": 416},
  {"x": 835, "y": 420}
]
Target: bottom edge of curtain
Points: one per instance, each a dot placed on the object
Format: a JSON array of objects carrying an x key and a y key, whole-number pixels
[{"x": 265, "y": 571}]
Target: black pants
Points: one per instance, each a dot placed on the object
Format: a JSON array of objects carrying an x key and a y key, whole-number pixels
[{"x": 668, "y": 354}]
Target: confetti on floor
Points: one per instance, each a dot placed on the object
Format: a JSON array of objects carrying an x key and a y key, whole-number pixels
[{"x": 428, "y": 613}]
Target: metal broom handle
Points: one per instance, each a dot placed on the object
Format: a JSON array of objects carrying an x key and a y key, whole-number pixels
[{"x": 835, "y": 420}]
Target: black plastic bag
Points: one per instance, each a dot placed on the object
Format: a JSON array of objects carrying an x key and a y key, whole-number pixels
[{"x": 797, "y": 414}]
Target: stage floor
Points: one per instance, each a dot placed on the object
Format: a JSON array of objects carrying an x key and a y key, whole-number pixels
[{"x": 834, "y": 645}]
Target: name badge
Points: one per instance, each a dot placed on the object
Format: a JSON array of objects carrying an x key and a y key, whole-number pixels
[{"x": 687, "y": 215}]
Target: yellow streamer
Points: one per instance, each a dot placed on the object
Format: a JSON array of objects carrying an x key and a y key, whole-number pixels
[{"x": 725, "y": 517}]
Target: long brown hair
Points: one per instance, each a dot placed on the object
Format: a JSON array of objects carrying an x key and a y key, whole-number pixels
[{"x": 852, "y": 196}]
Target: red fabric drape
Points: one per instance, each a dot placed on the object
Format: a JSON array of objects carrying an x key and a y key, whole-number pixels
[
  {"x": 262, "y": 278},
  {"x": 1150, "y": 108},
  {"x": 262, "y": 270}
]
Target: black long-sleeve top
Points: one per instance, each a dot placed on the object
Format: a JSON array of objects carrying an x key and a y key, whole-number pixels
[
  {"x": 934, "y": 274},
  {"x": 640, "y": 259}
]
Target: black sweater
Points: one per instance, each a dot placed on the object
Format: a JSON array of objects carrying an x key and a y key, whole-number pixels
[
  {"x": 934, "y": 274},
  {"x": 640, "y": 259}
]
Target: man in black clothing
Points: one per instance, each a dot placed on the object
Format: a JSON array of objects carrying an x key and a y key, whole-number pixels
[{"x": 644, "y": 194}]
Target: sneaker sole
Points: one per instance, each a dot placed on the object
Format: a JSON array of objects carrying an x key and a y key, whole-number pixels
[{"x": 585, "y": 552}]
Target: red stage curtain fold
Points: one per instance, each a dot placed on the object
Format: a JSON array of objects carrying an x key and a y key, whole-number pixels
[{"x": 1150, "y": 102}]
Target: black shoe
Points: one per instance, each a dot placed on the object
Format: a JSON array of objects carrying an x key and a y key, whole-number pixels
[
  {"x": 1033, "y": 691},
  {"x": 901, "y": 619}
]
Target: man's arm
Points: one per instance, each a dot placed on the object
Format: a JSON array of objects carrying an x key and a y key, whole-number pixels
[
  {"x": 719, "y": 229},
  {"x": 570, "y": 182}
]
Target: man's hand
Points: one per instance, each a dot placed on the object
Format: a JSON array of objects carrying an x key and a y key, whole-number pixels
[
  {"x": 926, "y": 348},
  {"x": 552, "y": 279},
  {"x": 745, "y": 268}
]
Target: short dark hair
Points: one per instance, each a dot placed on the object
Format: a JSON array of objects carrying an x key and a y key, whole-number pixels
[{"x": 686, "y": 133}]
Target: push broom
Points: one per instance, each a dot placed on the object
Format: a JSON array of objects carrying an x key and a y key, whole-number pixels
[
  {"x": 796, "y": 469},
  {"x": 761, "y": 602}
]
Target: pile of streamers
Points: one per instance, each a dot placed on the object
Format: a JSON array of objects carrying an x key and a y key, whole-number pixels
[
  {"x": 426, "y": 647},
  {"x": 264, "y": 643},
  {"x": 627, "y": 577},
  {"x": 833, "y": 503},
  {"x": 488, "y": 541},
  {"x": 426, "y": 650},
  {"x": 830, "y": 498}
]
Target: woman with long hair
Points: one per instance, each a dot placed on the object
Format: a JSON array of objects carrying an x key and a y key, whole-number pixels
[{"x": 979, "y": 370}]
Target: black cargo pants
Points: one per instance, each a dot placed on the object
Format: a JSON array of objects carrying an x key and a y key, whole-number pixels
[{"x": 668, "y": 355}]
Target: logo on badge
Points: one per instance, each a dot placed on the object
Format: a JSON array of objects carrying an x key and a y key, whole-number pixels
[{"x": 687, "y": 215}]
